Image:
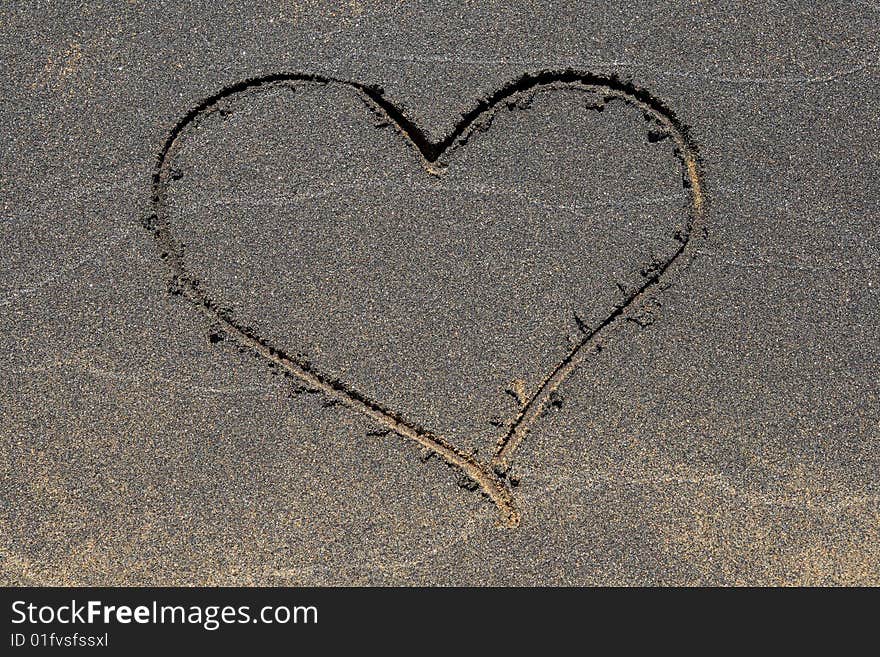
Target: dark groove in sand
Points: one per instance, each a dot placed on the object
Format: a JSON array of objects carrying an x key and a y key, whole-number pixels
[{"x": 489, "y": 477}]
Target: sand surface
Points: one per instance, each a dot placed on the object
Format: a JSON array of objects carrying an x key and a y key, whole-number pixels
[{"x": 377, "y": 293}]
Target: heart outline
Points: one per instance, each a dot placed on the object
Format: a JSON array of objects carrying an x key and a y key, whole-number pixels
[{"x": 489, "y": 477}]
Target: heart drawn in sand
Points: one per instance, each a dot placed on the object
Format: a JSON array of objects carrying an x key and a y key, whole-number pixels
[{"x": 491, "y": 476}]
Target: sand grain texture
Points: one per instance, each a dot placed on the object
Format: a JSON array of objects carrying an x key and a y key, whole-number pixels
[{"x": 729, "y": 436}]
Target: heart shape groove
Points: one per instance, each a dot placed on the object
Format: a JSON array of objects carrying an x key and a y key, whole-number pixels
[{"x": 492, "y": 477}]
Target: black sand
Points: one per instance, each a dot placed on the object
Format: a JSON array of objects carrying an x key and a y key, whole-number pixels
[{"x": 727, "y": 434}]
